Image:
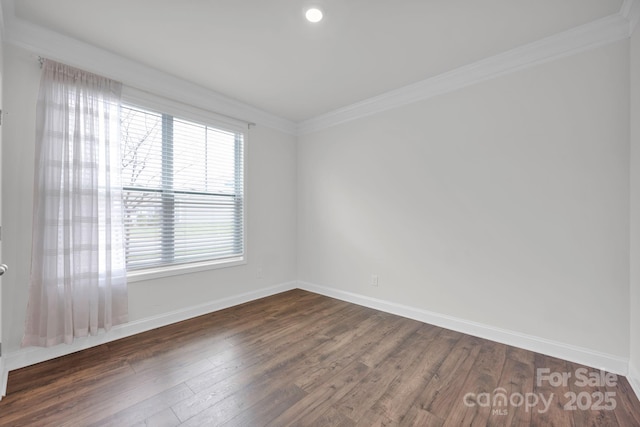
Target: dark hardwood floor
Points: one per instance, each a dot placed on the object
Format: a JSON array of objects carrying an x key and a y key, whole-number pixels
[{"x": 299, "y": 358}]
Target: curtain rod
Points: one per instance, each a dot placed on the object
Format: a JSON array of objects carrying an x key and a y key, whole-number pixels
[{"x": 41, "y": 60}]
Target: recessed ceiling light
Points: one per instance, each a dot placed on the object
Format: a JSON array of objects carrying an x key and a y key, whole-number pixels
[{"x": 313, "y": 14}]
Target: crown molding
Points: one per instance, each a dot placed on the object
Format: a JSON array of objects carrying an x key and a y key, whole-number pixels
[
  {"x": 597, "y": 33},
  {"x": 630, "y": 10},
  {"x": 53, "y": 45},
  {"x": 58, "y": 47}
]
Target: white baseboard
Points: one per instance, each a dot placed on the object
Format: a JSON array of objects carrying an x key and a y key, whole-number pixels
[
  {"x": 4, "y": 376},
  {"x": 634, "y": 379},
  {"x": 611, "y": 363},
  {"x": 32, "y": 355}
]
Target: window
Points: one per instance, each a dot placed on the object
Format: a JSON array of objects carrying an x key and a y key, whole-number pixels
[{"x": 182, "y": 191}]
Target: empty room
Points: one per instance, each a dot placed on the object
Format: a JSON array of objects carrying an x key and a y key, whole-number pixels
[{"x": 320, "y": 213}]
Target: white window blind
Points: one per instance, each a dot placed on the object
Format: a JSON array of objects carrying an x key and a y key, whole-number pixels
[{"x": 183, "y": 190}]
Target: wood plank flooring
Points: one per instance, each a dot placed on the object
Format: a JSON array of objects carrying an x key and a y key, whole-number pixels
[{"x": 302, "y": 359}]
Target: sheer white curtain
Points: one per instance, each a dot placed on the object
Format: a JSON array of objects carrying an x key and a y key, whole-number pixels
[{"x": 78, "y": 277}]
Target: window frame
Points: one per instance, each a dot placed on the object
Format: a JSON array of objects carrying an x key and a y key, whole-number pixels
[{"x": 147, "y": 101}]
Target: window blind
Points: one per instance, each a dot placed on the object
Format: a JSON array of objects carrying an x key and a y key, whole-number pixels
[{"x": 182, "y": 190}]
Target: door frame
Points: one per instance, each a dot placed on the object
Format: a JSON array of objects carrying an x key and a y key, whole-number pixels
[{"x": 4, "y": 374}]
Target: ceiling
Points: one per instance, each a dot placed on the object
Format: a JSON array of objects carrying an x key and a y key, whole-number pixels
[{"x": 265, "y": 54}]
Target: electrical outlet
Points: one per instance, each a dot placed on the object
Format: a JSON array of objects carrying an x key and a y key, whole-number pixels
[{"x": 374, "y": 280}]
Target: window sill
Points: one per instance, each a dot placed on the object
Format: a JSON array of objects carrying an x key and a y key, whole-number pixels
[{"x": 175, "y": 270}]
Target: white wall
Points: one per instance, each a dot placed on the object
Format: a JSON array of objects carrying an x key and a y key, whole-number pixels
[
  {"x": 634, "y": 363},
  {"x": 271, "y": 211},
  {"x": 505, "y": 203}
]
